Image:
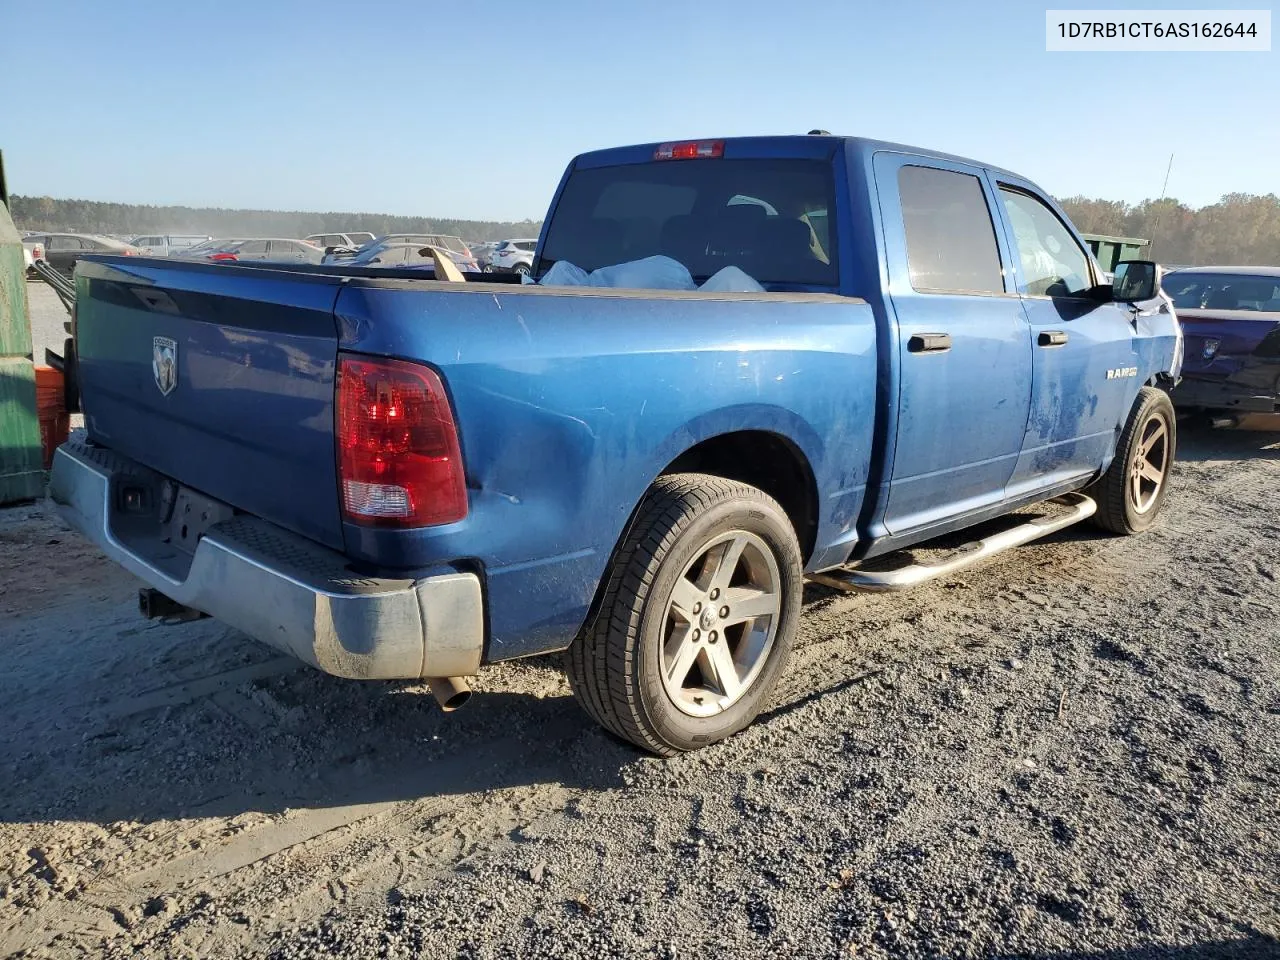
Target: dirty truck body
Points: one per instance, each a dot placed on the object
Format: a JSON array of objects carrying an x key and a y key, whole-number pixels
[{"x": 405, "y": 478}]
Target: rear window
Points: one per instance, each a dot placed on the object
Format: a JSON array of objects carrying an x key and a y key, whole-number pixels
[
  {"x": 951, "y": 241},
  {"x": 757, "y": 215},
  {"x": 1223, "y": 291}
]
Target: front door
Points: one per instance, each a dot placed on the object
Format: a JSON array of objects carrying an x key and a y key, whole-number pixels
[
  {"x": 964, "y": 354},
  {"x": 1085, "y": 377}
]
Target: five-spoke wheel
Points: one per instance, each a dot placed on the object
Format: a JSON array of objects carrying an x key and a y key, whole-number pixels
[
  {"x": 697, "y": 619},
  {"x": 721, "y": 621}
]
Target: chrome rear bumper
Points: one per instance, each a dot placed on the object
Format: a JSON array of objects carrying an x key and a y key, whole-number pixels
[{"x": 277, "y": 587}]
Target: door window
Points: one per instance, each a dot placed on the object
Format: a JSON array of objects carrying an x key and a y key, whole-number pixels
[
  {"x": 64, "y": 243},
  {"x": 1053, "y": 265},
  {"x": 951, "y": 239}
]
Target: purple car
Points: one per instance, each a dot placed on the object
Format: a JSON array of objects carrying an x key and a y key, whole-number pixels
[{"x": 1231, "y": 319}]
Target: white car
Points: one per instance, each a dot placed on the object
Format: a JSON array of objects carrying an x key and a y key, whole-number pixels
[
  {"x": 512, "y": 256},
  {"x": 167, "y": 245}
]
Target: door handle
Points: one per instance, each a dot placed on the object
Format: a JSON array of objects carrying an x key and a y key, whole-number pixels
[
  {"x": 1052, "y": 338},
  {"x": 929, "y": 343}
]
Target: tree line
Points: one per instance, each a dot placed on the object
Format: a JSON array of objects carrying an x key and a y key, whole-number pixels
[
  {"x": 128, "y": 219},
  {"x": 1240, "y": 228}
]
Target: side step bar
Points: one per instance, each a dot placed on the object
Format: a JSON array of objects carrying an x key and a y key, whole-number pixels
[{"x": 1079, "y": 507}]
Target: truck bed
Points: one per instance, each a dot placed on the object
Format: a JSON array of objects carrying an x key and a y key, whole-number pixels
[{"x": 568, "y": 401}]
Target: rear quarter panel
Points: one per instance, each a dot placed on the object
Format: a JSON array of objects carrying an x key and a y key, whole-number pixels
[{"x": 570, "y": 403}]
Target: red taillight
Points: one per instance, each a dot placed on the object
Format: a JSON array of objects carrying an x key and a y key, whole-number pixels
[
  {"x": 399, "y": 463},
  {"x": 222, "y": 256},
  {"x": 130, "y": 252},
  {"x": 690, "y": 150}
]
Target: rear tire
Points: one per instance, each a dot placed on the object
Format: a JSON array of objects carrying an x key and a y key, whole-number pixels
[
  {"x": 1131, "y": 492},
  {"x": 698, "y": 617},
  {"x": 522, "y": 269}
]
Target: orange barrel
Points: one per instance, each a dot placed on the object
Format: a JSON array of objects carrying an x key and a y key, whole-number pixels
[{"x": 51, "y": 409}]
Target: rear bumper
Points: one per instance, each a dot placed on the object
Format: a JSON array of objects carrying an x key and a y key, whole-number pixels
[{"x": 274, "y": 585}]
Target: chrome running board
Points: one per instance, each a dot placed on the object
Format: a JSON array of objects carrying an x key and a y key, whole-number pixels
[{"x": 1079, "y": 507}]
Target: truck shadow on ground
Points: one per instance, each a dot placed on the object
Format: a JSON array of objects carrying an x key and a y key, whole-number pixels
[
  {"x": 356, "y": 745},
  {"x": 1253, "y": 946},
  {"x": 302, "y": 740},
  {"x": 1199, "y": 442}
]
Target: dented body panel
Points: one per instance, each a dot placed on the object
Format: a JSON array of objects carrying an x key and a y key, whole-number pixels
[{"x": 570, "y": 404}]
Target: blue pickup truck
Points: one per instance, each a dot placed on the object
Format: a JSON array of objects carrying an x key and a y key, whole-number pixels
[{"x": 392, "y": 476}]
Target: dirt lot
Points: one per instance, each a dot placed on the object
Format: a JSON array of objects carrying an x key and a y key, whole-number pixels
[{"x": 1072, "y": 752}]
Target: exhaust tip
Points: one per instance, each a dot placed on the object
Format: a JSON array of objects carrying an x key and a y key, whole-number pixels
[{"x": 450, "y": 692}]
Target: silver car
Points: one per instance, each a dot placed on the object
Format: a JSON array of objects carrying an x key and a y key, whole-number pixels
[{"x": 275, "y": 249}]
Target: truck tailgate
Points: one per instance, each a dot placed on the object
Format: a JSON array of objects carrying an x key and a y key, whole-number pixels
[{"x": 218, "y": 377}]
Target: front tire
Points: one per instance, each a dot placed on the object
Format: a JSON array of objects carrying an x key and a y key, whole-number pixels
[
  {"x": 698, "y": 616},
  {"x": 1131, "y": 492}
]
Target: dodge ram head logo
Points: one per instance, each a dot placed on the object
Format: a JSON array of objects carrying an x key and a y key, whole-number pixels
[{"x": 164, "y": 363}]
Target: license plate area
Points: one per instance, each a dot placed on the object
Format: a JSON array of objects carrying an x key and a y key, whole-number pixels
[{"x": 192, "y": 516}]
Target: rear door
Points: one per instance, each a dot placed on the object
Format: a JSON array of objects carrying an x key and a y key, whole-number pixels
[
  {"x": 964, "y": 351},
  {"x": 1085, "y": 368}
]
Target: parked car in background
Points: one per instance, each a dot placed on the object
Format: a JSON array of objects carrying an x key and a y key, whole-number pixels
[
  {"x": 203, "y": 249},
  {"x": 453, "y": 246},
  {"x": 399, "y": 255},
  {"x": 32, "y": 250},
  {"x": 512, "y": 256},
  {"x": 1231, "y": 320},
  {"x": 64, "y": 250},
  {"x": 329, "y": 242},
  {"x": 166, "y": 245},
  {"x": 282, "y": 250},
  {"x": 482, "y": 250}
]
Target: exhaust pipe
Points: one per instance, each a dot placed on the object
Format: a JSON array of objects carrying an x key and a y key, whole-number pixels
[{"x": 450, "y": 692}]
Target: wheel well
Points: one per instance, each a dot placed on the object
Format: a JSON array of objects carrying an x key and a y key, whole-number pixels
[{"x": 771, "y": 463}]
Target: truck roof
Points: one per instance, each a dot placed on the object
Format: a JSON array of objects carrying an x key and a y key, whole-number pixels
[{"x": 809, "y": 146}]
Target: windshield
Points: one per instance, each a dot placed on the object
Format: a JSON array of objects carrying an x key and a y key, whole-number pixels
[
  {"x": 758, "y": 215},
  {"x": 1223, "y": 291}
]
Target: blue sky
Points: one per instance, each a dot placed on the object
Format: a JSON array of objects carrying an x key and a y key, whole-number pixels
[{"x": 464, "y": 109}]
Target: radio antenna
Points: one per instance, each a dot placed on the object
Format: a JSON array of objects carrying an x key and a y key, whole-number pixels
[{"x": 1151, "y": 247}]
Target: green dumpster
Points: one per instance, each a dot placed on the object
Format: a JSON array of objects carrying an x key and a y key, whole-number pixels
[
  {"x": 1112, "y": 250},
  {"x": 21, "y": 462}
]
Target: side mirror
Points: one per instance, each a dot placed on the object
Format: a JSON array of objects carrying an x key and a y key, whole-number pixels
[{"x": 1136, "y": 280}]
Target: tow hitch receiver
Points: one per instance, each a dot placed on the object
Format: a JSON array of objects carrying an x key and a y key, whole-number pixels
[{"x": 154, "y": 605}]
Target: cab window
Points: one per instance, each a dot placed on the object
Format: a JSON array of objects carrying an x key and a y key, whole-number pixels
[{"x": 1053, "y": 264}]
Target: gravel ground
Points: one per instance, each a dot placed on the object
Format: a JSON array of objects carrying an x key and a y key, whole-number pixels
[{"x": 1071, "y": 752}]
